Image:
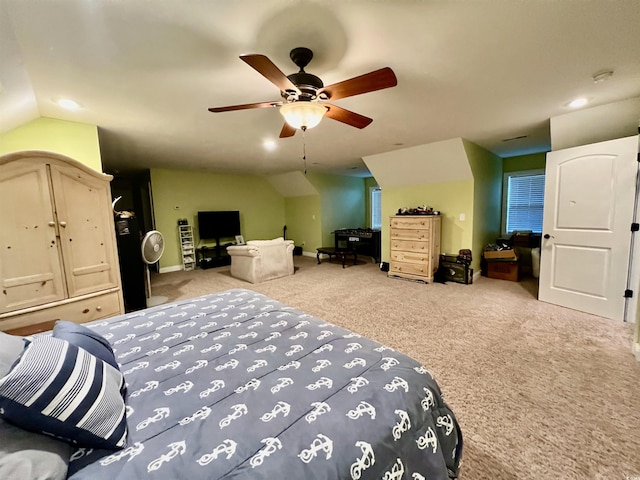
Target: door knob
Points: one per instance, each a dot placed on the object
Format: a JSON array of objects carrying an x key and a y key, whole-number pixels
[{"x": 547, "y": 236}]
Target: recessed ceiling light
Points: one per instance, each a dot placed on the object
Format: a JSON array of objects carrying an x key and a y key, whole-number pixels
[
  {"x": 578, "y": 102},
  {"x": 68, "y": 103},
  {"x": 269, "y": 144}
]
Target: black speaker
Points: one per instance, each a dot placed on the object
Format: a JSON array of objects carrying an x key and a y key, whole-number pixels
[{"x": 132, "y": 267}]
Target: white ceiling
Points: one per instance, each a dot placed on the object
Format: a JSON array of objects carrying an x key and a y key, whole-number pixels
[{"x": 145, "y": 73}]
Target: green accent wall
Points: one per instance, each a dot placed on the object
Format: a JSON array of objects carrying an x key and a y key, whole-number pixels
[
  {"x": 342, "y": 202},
  {"x": 304, "y": 221},
  {"x": 76, "y": 140},
  {"x": 451, "y": 198},
  {"x": 533, "y": 161},
  {"x": 487, "y": 196},
  {"x": 262, "y": 209}
]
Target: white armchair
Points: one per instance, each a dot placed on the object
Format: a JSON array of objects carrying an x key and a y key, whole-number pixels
[{"x": 261, "y": 260}]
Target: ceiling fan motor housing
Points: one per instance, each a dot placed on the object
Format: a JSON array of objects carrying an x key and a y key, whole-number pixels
[{"x": 307, "y": 83}]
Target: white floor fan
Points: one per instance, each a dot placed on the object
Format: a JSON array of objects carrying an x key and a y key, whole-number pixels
[{"x": 152, "y": 249}]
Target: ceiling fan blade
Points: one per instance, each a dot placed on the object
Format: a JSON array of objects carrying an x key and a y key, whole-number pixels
[
  {"x": 369, "y": 82},
  {"x": 267, "y": 69},
  {"x": 246, "y": 106},
  {"x": 287, "y": 131},
  {"x": 346, "y": 116}
]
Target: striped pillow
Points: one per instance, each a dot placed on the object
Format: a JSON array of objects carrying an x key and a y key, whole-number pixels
[{"x": 61, "y": 390}]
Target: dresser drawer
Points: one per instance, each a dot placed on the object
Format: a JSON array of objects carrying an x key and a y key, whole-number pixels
[
  {"x": 410, "y": 257},
  {"x": 411, "y": 222},
  {"x": 421, "y": 269},
  {"x": 79, "y": 310},
  {"x": 410, "y": 245},
  {"x": 410, "y": 234}
]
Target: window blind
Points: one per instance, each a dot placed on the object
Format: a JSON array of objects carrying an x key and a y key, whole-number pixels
[
  {"x": 525, "y": 203},
  {"x": 376, "y": 208}
]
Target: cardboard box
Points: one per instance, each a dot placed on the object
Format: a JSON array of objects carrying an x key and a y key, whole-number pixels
[
  {"x": 500, "y": 254},
  {"x": 503, "y": 270}
]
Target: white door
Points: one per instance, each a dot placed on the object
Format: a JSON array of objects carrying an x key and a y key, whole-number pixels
[{"x": 589, "y": 201}]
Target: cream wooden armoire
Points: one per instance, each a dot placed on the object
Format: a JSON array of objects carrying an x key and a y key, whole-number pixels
[{"x": 58, "y": 254}]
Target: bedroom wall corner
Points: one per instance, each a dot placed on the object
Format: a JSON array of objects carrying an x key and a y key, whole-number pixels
[
  {"x": 487, "y": 196},
  {"x": 342, "y": 203},
  {"x": 451, "y": 198},
  {"x": 303, "y": 219},
  {"x": 262, "y": 211}
]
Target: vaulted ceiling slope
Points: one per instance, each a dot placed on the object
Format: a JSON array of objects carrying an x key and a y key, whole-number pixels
[{"x": 490, "y": 71}]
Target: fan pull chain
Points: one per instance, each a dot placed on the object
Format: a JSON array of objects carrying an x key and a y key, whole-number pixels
[{"x": 304, "y": 150}]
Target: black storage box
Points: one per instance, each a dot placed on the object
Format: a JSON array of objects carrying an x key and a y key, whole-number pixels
[{"x": 456, "y": 272}]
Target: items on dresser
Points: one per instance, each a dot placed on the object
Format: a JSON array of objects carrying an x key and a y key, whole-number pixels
[
  {"x": 415, "y": 246},
  {"x": 57, "y": 245}
]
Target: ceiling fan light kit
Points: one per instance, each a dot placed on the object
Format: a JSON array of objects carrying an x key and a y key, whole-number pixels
[
  {"x": 303, "y": 115},
  {"x": 305, "y": 95}
]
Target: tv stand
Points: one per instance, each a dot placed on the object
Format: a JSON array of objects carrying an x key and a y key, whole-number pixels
[{"x": 216, "y": 256}]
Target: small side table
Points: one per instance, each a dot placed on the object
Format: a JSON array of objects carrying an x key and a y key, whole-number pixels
[{"x": 341, "y": 253}]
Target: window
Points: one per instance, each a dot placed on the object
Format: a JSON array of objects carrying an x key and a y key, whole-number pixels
[
  {"x": 375, "y": 197},
  {"x": 523, "y": 201}
]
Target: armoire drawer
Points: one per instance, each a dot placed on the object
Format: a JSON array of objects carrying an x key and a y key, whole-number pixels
[{"x": 79, "y": 309}]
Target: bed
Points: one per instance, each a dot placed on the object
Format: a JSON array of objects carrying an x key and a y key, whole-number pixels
[{"x": 237, "y": 385}]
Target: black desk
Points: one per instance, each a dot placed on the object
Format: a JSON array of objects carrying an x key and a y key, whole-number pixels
[{"x": 364, "y": 241}]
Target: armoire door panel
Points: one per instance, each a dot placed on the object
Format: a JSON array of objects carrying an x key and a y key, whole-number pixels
[
  {"x": 84, "y": 223},
  {"x": 30, "y": 262}
]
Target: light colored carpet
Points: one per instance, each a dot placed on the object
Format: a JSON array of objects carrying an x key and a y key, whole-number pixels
[{"x": 541, "y": 392}]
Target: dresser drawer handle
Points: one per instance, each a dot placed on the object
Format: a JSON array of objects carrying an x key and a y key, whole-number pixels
[{"x": 99, "y": 308}]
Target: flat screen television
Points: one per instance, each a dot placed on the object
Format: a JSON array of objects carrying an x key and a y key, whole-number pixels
[{"x": 216, "y": 225}]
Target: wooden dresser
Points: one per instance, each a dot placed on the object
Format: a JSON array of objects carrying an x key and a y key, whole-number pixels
[
  {"x": 415, "y": 246},
  {"x": 58, "y": 255}
]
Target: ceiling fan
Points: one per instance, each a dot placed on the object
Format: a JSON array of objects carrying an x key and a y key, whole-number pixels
[{"x": 306, "y": 97}]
